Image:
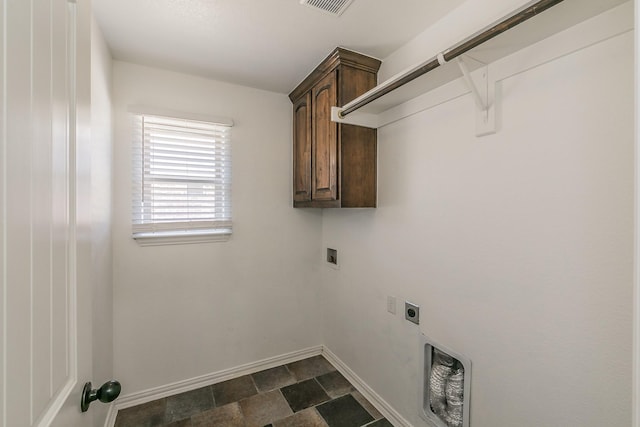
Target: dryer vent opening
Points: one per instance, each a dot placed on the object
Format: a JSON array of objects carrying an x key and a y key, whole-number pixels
[{"x": 445, "y": 386}]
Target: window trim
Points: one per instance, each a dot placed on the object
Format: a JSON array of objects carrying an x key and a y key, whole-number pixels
[
  {"x": 181, "y": 237},
  {"x": 157, "y": 111},
  {"x": 173, "y": 237}
]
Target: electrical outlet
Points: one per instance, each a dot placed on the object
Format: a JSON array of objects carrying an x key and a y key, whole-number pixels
[
  {"x": 391, "y": 304},
  {"x": 412, "y": 312}
]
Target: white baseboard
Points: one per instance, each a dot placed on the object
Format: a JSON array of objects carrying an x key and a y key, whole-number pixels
[
  {"x": 156, "y": 393},
  {"x": 374, "y": 398},
  {"x": 110, "y": 421},
  {"x": 160, "y": 392}
]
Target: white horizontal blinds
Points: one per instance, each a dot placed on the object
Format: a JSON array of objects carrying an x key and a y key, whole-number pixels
[{"x": 183, "y": 179}]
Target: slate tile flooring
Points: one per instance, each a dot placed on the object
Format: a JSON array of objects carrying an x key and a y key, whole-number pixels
[{"x": 307, "y": 393}]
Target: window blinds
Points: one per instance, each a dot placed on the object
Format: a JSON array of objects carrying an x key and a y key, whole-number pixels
[{"x": 181, "y": 177}]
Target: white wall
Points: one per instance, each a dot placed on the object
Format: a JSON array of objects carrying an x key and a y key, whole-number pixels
[
  {"x": 101, "y": 201},
  {"x": 187, "y": 310},
  {"x": 517, "y": 246}
]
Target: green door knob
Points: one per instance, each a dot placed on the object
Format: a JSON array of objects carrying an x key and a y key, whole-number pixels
[{"x": 107, "y": 393}]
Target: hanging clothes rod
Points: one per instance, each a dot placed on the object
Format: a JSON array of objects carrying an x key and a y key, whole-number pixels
[{"x": 456, "y": 51}]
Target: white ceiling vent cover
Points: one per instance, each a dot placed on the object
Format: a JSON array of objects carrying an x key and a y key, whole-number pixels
[{"x": 334, "y": 7}]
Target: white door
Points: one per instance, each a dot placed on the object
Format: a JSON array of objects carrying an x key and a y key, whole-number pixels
[{"x": 45, "y": 353}]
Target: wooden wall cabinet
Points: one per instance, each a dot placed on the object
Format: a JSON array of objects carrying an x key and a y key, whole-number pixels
[{"x": 334, "y": 164}]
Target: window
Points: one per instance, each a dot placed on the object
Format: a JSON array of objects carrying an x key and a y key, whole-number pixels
[{"x": 181, "y": 180}]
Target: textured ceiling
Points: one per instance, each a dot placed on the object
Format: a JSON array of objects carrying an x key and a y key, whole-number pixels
[{"x": 267, "y": 44}]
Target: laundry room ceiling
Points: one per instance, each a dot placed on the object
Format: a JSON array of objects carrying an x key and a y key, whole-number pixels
[{"x": 266, "y": 44}]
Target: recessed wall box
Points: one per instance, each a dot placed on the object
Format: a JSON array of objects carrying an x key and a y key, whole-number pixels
[
  {"x": 332, "y": 256},
  {"x": 445, "y": 386}
]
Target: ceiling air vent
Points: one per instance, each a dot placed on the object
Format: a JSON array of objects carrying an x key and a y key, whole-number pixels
[{"x": 334, "y": 7}]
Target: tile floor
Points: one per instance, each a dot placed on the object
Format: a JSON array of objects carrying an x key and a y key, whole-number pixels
[{"x": 307, "y": 393}]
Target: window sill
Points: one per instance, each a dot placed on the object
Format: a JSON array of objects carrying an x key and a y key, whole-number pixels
[{"x": 181, "y": 237}]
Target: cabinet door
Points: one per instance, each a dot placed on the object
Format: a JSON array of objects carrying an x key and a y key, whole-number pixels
[
  {"x": 302, "y": 149},
  {"x": 325, "y": 140}
]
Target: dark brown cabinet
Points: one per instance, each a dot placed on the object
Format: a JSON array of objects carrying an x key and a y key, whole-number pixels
[{"x": 334, "y": 164}]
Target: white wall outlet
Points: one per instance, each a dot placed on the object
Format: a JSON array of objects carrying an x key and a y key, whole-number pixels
[{"x": 391, "y": 304}]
